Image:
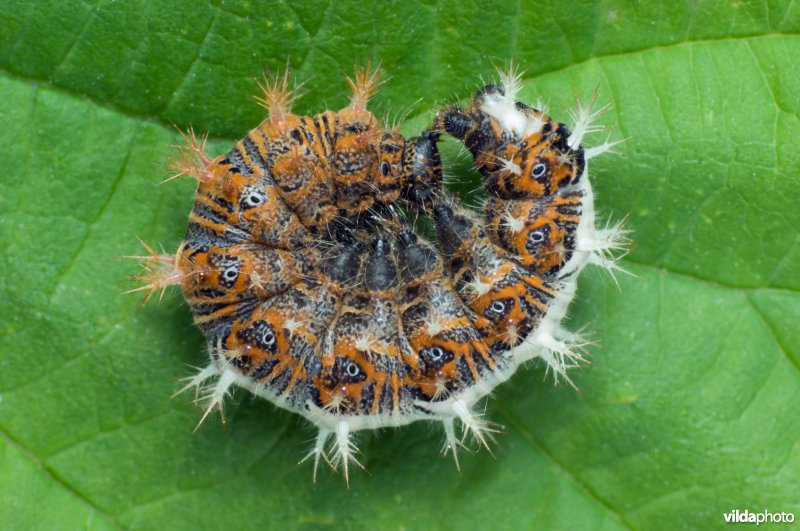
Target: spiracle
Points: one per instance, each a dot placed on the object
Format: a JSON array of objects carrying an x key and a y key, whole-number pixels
[{"x": 304, "y": 272}]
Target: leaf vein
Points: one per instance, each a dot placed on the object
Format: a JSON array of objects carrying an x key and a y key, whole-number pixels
[
  {"x": 783, "y": 348},
  {"x": 534, "y": 443},
  {"x": 50, "y": 473},
  {"x": 93, "y": 222}
]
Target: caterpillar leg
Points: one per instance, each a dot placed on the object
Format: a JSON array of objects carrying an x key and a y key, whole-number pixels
[
  {"x": 474, "y": 424},
  {"x": 318, "y": 451},
  {"x": 583, "y": 118},
  {"x": 344, "y": 450},
  {"x": 583, "y": 121},
  {"x": 605, "y": 147},
  {"x": 451, "y": 442},
  {"x": 365, "y": 84},
  {"x": 501, "y": 102},
  {"x": 277, "y": 97},
  {"x": 214, "y": 395},
  {"x": 560, "y": 351},
  {"x": 196, "y": 382},
  {"x": 159, "y": 272},
  {"x": 607, "y": 246},
  {"x": 190, "y": 159},
  {"x": 511, "y": 82}
]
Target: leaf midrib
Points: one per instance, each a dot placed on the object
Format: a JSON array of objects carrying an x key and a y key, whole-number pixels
[{"x": 158, "y": 120}]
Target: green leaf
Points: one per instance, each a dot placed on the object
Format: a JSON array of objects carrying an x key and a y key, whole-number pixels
[{"x": 689, "y": 408}]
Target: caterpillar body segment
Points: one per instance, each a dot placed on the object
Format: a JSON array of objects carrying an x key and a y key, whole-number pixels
[{"x": 303, "y": 271}]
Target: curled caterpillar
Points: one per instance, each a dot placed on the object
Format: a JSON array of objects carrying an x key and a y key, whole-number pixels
[{"x": 305, "y": 275}]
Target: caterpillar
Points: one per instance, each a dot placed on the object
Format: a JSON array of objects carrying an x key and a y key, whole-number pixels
[{"x": 304, "y": 272}]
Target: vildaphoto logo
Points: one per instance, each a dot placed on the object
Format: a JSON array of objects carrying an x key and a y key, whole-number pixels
[{"x": 747, "y": 517}]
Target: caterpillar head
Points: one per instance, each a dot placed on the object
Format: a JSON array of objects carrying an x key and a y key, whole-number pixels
[{"x": 421, "y": 177}]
